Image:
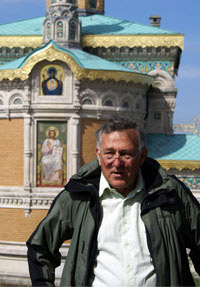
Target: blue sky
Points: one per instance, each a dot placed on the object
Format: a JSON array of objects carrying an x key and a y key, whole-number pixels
[{"x": 177, "y": 15}]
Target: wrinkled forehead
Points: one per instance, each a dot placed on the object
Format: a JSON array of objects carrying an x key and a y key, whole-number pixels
[{"x": 129, "y": 137}]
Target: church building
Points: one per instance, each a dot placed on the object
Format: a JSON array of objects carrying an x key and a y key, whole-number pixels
[{"x": 61, "y": 76}]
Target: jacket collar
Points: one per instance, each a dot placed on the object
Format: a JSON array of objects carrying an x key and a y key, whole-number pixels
[{"x": 88, "y": 177}]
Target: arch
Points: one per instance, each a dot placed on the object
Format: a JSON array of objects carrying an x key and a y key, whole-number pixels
[
  {"x": 48, "y": 29},
  {"x": 88, "y": 95},
  {"x": 54, "y": 14},
  {"x": 126, "y": 101},
  {"x": 64, "y": 13},
  {"x": 73, "y": 25},
  {"x": 109, "y": 99},
  {"x": 87, "y": 101},
  {"x": 1, "y": 101},
  {"x": 162, "y": 79},
  {"x": 108, "y": 102},
  {"x": 126, "y": 104},
  {"x": 16, "y": 99},
  {"x": 139, "y": 103},
  {"x": 59, "y": 29}
]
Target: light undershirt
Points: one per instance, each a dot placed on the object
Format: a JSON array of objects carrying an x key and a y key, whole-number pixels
[{"x": 123, "y": 256}]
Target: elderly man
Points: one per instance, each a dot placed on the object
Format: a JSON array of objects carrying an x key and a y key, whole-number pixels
[{"x": 129, "y": 221}]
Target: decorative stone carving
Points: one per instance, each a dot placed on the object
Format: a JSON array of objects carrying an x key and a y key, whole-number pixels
[{"x": 62, "y": 25}]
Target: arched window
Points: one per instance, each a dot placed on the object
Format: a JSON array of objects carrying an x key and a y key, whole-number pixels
[
  {"x": 72, "y": 30},
  {"x": 1, "y": 102},
  {"x": 139, "y": 105},
  {"x": 17, "y": 101},
  {"x": 108, "y": 103},
  {"x": 87, "y": 102},
  {"x": 125, "y": 104},
  {"x": 59, "y": 29},
  {"x": 48, "y": 25}
]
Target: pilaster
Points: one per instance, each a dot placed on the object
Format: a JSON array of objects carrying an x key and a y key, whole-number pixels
[{"x": 75, "y": 146}]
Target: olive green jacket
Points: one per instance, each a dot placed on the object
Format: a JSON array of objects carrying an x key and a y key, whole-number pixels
[{"x": 169, "y": 211}]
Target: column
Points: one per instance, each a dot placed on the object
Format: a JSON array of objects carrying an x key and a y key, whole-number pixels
[
  {"x": 75, "y": 144},
  {"x": 76, "y": 99},
  {"x": 27, "y": 163},
  {"x": 27, "y": 151}
]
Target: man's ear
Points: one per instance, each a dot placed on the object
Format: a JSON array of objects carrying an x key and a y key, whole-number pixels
[
  {"x": 98, "y": 156},
  {"x": 143, "y": 155}
]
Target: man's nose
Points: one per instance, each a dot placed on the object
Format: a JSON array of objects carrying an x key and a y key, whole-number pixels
[{"x": 117, "y": 161}]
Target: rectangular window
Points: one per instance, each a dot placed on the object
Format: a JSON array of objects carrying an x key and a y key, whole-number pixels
[{"x": 157, "y": 116}]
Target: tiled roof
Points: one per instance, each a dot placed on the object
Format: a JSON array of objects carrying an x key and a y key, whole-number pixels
[
  {"x": 28, "y": 27},
  {"x": 13, "y": 64},
  {"x": 89, "y": 61},
  {"x": 103, "y": 25},
  {"x": 83, "y": 59},
  {"x": 91, "y": 25},
  {"x": 174, "y": 147}
]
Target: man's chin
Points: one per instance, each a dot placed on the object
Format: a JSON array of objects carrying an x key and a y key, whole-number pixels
[{"x": 118, "y": 184}]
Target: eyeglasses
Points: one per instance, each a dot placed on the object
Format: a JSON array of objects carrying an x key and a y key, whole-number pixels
[{"x": 111, "y": 156}]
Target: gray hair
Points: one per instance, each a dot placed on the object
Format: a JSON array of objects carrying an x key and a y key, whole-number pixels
[{"x": 119, "y": 124}]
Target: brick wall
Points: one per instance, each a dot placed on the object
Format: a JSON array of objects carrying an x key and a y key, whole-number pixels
[
  {"x": 11, "y": 152},
  {"x": 88, "y": 139},
  {"x": 16, "y": 227}
]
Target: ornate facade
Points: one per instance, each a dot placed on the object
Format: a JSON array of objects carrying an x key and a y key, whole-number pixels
[{"x": 61, "y": 76}]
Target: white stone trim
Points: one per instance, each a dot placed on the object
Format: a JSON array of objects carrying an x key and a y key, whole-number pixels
[{"x": 14, "y": 266}]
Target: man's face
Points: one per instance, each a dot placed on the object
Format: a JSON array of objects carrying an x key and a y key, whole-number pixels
[
  {"x": 52, "y": 134},
  {"x": 120, "y": 159}
]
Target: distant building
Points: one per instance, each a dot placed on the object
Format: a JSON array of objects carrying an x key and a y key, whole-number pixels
[{"x": 61, "y": 76}]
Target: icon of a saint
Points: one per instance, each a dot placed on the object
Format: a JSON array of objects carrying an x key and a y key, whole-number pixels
[
  {"x": 52, "y": 157},
  {"x": 52, "y": 86}
]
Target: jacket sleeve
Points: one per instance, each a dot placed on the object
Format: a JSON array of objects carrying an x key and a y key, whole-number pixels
[
  {"x": 191, "y": 211},
  {"x": 43, "y": 245}
]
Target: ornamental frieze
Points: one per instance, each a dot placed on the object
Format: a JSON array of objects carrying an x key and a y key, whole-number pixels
[
  {"x": 133, "y": 40},
  {"x": 148, "y": 66},
  {"x": 103, "y": 41}
]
